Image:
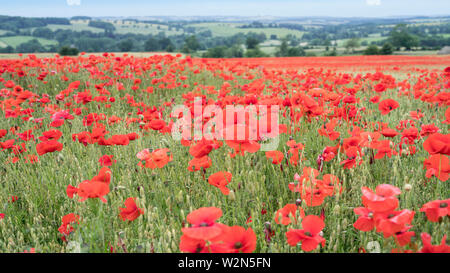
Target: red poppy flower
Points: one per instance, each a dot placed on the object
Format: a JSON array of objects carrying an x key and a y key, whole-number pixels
[
  {"x": 235, "y": 239},
  {"x": 429, "y": 248},
  {"x": 106, "y": 160},
  {"x": 131, "y": 211},
  {"x": 197, "y": 163},
  {"x": 437, "y": 165},
  {"x": 192, "y": 245},
  {"x": 447, "y": 116},
  {"x": 403, "y": 237},
  {"x": 276, "y": 156},
  {"x": 392, "y": 222},
  {"x": 309, "y": 236},
  {"x": 52, "y": 134},
  {"x": 379, "y": 88},
  {"x": 203, "y": 221},
  {"x": 157, "y": 159},
  {"x": 388, "y": 132},
  {"x": 387, "y": 106},
  {"x": 66, "y": 227},
  {"x": 365, "y": 221},
  {"x": 97, "y": 187},
  {"x": 437, "y": 144},
  {"x": 437, "y": 209},
  {"x": 287, "y": 212},
  {"x": 48, "y": 146},
  {"x": 383, "y": 148},
  {"x": 220, "y": 180},
  {"x": 87, "y": 189},
  {"x": 120, "y": 140},
  {"x": 382, "y": 200},
  {"x": 201, "y": 149}
]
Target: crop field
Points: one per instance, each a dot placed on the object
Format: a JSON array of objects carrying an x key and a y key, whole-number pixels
[
  {"x": 17, "y": 40},
  {"x": 229, "y": 29},
  {"x": 168, "y": 153}
]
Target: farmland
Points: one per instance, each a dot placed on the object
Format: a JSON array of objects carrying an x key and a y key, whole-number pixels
[
  {"x": 90, "y": 162},
  {"x": 209, "y": 37}
]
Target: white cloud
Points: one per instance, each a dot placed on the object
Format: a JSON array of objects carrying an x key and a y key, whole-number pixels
[
  {"x": 73, "y": 2},
  {"x": 373, "y": 2}
]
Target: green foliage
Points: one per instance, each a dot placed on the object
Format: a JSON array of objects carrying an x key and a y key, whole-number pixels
[
  {"x": 254, "y": 53},
  {"x": 285, "y": 51},
  {"x": 8, "y": 49},
  {"x": 401, "y": 37},
  {"x": 125, "y": 45},
  {"x": 331, "y": 53},
  {"x": 387, "y": 49},
  {"x": 252, "y": 42},
  {"x": 372, "y": 50},
  {"x": 215, "y": 52},
  {"x": 191, "y": 44},
  {"x": 68, "y": 51},
  {"x": 108, "y": 27},
  {"x": 32, "y": 46},
  {"x": 43, "y": 32},
  {"x": 351, "y": 44}
]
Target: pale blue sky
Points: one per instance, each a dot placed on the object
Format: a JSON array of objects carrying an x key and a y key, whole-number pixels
[{"x": 301, "y": 8}]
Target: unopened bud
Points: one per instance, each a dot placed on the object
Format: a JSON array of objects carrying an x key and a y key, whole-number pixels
[{"x": 231, "y": 195}]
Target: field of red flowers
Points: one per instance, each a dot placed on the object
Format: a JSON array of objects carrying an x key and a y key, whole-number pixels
[{"x": 90, "y": 161}]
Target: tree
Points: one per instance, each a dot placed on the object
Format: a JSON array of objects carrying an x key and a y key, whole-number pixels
[
  {"x": 400, "y": 37},
  {"x": 254, "y": 53},
  {"x": 8, "y": 49},
  {"x": 251, "y": 42},
  {"x": 387, "y": 49},
  {"x": 371, "y": 50},
  {"x": 283, "y": 49},
  {"x": 351, "y": 44},
  {"x": 68, "y": 51},
  {"x": 191, "y": 44},
  {"x": 125, "y": 45},
  {"x": 296, "y": 52},
  {"x": 31, "y": 46},
  {"x": 43, "y": 32},
  {"x": 151, "y": 44},
  {"x": 215, "y": 52},
  {"x": 235, "y": 51}
]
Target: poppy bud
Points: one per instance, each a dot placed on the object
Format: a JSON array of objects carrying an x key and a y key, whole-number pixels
[
  {"x": 298, "y": 202},
  {"x": 180, "y": 196},
  {"x": 231, "y": 195},
  {"x": 336, "y": 209},
  {"x": 60, "y": 157},
  {"x": 267, "y": 225},
  {"x": 407, "y": 187}
]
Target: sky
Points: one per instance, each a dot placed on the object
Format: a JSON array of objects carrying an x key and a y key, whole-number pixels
[{"x": 285, "y": 8}]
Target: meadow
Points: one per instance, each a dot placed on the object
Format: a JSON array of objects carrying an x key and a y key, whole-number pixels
[{"x": 89, "y": 163}]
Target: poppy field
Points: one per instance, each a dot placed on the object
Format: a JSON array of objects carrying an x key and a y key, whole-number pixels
[{"x": 90, "y": 161}]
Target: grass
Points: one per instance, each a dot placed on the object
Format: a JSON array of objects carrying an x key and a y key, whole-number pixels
[
  {"x": 14, "y": 41},
  {"x": 168, "y": 194},
  {"x": 77, "y": 27},
  {"x": 229, "y": 29}
]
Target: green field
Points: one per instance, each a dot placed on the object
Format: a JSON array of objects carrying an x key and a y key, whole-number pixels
[
  {"x": 14, "y": 41},
  {"x": 76, "y": 27},
  {"x": 229, "y": 29}
]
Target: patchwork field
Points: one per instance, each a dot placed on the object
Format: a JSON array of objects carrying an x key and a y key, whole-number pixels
[
  {"x": 92, "y": 159},
  {"x": 17, "y": 40}
]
